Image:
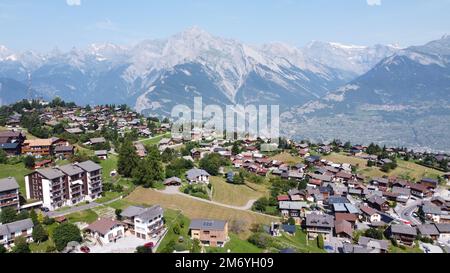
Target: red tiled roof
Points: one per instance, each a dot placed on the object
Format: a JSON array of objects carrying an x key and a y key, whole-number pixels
[{"x": 283, "y": 198}]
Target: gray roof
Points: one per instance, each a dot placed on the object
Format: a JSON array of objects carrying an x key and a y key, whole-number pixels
[
  {"x": 97, "y": 140},
  {"x": 402, "y": 191},
  {"x": 204, "y": 224},
  {"x": 192, "y": 174},
  {"x": 317, "y": 220},
  {"x": 403, "y": 229},
  {"x": 151, "y": 213},
  {"x": 101, "y": 152},
  {"x": 428, "y": 229},
  {"x": 350, "y": 248},
  {"x": 132, "y": 211},
  {"x": 8, "y": 184},
  {"x": 89, "y": 166},
  {"x": 142, "y": 213},
  {"x": 17, "y": 226},
  {"x": 50, "y": 173},
  {"x": 443, "y": 228},
  {"x": 430, "y": 208},
  {"x": 292, "y": 205},
  {"x": 373, "y": 243},
  {"x": 71, "y": 169}
]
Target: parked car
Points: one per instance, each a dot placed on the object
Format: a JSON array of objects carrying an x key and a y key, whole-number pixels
[
  {"x": 85, "y": 249},
  {"x": 149, "y": 245},
  {"x": 44, "y": 209}
]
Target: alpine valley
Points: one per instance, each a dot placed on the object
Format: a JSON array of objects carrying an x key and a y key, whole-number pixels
[{"x": 381, "y": 93}]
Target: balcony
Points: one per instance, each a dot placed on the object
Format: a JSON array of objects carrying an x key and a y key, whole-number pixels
[
  {"x": 8, "y": 196},
  {"x": 9, "y": 203}
]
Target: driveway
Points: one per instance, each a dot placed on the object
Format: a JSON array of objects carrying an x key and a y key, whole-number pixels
[
  {"x": 405, "y": 212},
  {"x": 123, "y": 245},
  {"x": 79, "y": 208}
]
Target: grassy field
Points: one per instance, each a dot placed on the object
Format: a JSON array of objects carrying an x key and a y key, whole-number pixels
[
  {"x": 172, "y": 217},
  {"x": 299, "y": 242},
  {"x": 18, "y": 171},
  {"x": 405, "y": 169},
  {"x": 287, "y": 158},
  {"x": 235, "y": 245},
  {"x": 155, "y": 140},
  {"x": 197, "y": 209},
  {"x": 87, "y": 216},
  {"x": 108, "y": 166},
  {"x": 340, "y": 158},
  {"x": 236, "y": 195}
]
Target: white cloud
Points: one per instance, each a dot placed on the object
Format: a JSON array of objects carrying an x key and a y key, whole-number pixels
[
  {"x": 73, "y": 2},
  {"x": 374, "y": 2}
]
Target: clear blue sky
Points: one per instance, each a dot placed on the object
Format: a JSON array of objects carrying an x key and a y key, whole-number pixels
[{"x": 45, "y": 24}]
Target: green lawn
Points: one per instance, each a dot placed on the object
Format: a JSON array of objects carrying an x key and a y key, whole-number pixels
[
  {"x": 18, "y": 171},
  {"x": 298, "y": 242},
  {"x": 108, "y": 166},
  {"x": 235, "y": 245},
  {"x": 108, "y": 197},
  {"x": 171, "y": 217},
  {"x": 87, "y": 216}
]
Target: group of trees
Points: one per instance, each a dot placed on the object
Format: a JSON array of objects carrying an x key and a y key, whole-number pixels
[
  {"x": 212, "y": 163},
  {"x": 9, "y": 215},
  {"x": 146, "y": 171}
]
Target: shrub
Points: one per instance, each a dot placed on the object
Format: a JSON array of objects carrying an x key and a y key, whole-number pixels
[
  {"x": 261, "y": 240},
  {"x": 320, "y": 242}
]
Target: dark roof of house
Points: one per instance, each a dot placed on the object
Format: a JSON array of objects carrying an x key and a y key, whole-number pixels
[
  {"x": 50, "y": 173},
  {"x": 151, "y": 213},
  {"x": 71, "y": 169},
  {"x": 89, "y": 166},
  {"x": 204, "y": 224},
  {"x": 10, "y": 134},
  {"x": 14, "y": 227},
  {"x": 194, "y": 173},
  {"x": 132, "y": 211},
  {"x": 371, "y": 243},
  {"x": 428, "y": 229},
  {"x": 403, "y": 229},
  {"x": 443, "y": 228},
  {"x": 8, "y": 184},
  {"x": 319, "y": 220},
  {"x": 103, "y": 225}
]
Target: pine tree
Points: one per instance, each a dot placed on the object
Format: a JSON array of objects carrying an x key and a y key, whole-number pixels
[{"x": 128, "y": 159}]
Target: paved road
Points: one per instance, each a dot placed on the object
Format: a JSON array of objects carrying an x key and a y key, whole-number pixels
[
  {"x": 80, "y": 208},
  {"x": 405, "y": 213},
  {"x": 247, "y": 207}
]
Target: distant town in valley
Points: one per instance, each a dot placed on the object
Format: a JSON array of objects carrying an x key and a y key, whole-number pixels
[{"x": 107, "y": 179}]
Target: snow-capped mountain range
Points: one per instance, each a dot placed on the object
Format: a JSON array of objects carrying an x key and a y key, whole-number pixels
[
  {"x": 323, "y": 88},
  {"x": 135, "y": 74}
]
